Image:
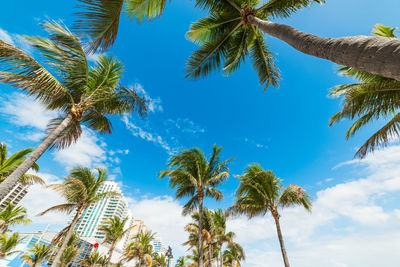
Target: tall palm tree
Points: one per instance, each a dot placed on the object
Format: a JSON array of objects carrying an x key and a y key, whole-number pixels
[
  {"x": 36, "y": 255},
  {"x": 83, "y": 94},
  {"x": 140, "y": 248},
  {"x": 80, "y": 189},
  {"x": 371, "y": 98},
  {"x": 9, "y": 164},
  {"x": 196, "y": 176},
  {"x": 12, "y": 215},
  {"x": 239, "y": 22},
  {"x": 181, "y": 262},
  {"x": 115, "y": 229},
  {"x": 8, "y": 244},
  {"x": 260, "y": 191},
  {"x": 234, "y": 29},
  {"x": 232, "y": 256}
]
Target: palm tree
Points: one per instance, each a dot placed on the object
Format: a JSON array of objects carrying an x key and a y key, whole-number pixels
[
  {"x": 12, "y": 215},
  {"x": 160, "y": 260},
  {"x": 140, "y": 248},
  {"x": 83, "y": 94},
  {"x": 9, "y": 164},
  {"x": 196, "y": 176},
  {"x": 91, "y": 260},
  {"x": 35, "y": 255},
  {"x": 239, "y": 23},
  {"x": 234, "y": 28},
  {"x": 207, "y": 235},
  {"x": 371, "y": 98},
  {"x": 68, "y": 255},
  {"x": 115, "y": 230},
  {"x": 261, "y": 191},
  {"x": 80, "y": 189},
  {"x": 181, "y": 262},
  {"x": 8, "y": 244},
  {"x": 221, "y": 235},
  {"x": 232, "y": 256}
]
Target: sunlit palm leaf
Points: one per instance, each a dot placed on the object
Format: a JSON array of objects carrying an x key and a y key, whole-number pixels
[{"x": 99, "y": 21}]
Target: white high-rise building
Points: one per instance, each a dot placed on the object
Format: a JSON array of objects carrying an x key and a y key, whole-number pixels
[
  {"x": 15, "y": 195},
  {"x": 95, "y": 215}
]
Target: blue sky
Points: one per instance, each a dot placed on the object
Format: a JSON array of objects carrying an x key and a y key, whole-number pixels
[{"x": 284, "y": 129}]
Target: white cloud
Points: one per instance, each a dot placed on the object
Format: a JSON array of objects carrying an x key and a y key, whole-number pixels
[
  {"x": 185, "y": 126},
  {"x": 6, "y": 37},
  {"x": 23, "y": 110},
  {"x": 40, "y": 198},
  {"x": 88, "y": 151},
  {"x": 164, "y": 216},
  {"x": 146, "y": 135}
]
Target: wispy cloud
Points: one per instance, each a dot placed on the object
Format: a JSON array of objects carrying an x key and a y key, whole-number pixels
[
  {"x": 154, "y": 104},
  {"x": 185, "y": 125},
  {"x": 6, "y": 37},
  {"x": 254, "y": 143}
]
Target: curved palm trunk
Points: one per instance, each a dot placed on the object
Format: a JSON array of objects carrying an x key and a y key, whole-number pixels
[
  {"x": 110, "y": 253},
  {"x": 67, "y": 238},
  {"x": 200, "y": 245},
  {"x": 210, "y": 255},
  {"x": 376, "y": 55},
  {"x": 16, "y": 175},
  {"x": 283, "y": 249}
]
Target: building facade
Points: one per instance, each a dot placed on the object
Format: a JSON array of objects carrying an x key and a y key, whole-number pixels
[
  {"x": 96, "y": 214},
  {"x": 15, "y": 195}
]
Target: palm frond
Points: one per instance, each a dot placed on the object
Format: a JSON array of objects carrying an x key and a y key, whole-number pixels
[
  {"x": 145, "y": 9},
  {"x": 99, "y": 20}
]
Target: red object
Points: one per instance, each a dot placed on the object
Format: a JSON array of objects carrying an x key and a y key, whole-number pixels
[{"x": 96, "y": 245}]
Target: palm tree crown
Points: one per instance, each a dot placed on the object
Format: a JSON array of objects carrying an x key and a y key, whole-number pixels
[
  {"x": 8, "y": 244},
  {"x": 35, "y": 255},
  {"x": 115, "y": 230},
  {"x": 9, "y": 164},
  {"x": 12, "y": 215},
  {"x": 140, "y": 248},
  {"x": 373, "y": 97},
  {"x": 260, "y": 191},
  {"x": 227, "y": 38},
  {"x": 82, "y": 93}
]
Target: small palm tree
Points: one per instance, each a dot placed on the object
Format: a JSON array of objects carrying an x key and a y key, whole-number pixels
[
  {"x": 232, "y": 256},
  {"x": 80, "y": 189},
  {"x": 140, "y": 248},
  {"x": 82, "y": 94},
  {"x": 8, "y": 244},
  {"x": 35, "y": 255},
  {"x": 68, "y": 255},
  {"x": 115, "y": 229},
  {"x": 91, "y": 260},
  {"x": 12, "y": 215},
  {"x": 159, "y": 260},
  {"x": 373, "y": 97},
  {"x": 181, "y": 262},
  {"x": 9, "y": 164},
  {"x": 196, "y": 176},
  {"x": 221, "y": 235},
  {"x": 261, "y": 191}
]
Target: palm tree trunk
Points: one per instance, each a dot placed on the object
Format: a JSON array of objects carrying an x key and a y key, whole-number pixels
[
  {"x": 209, "y": 255},
  {"x": 67, "y": 237},
  {"x": 283, "y": 249},
  {"x": 16, "y": 175},
  {"x": 110, "y": 252},
  {"x": 376, "y": 55},
  {"x": 221, "y": 256},
  {"x": 200, "y": 245}
]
